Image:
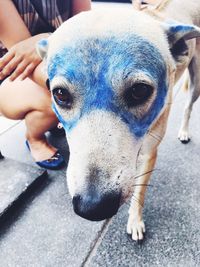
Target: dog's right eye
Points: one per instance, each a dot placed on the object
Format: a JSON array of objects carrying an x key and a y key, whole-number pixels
[{"x": 62, "y": 97}]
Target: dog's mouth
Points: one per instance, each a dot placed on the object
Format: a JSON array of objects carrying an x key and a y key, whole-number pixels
[
  {"x": 100, "y": 194},
  {"x": 96, "y": 203}
]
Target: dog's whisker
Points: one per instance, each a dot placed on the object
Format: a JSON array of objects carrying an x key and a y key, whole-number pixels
[
  {"x": 140, "y": 175},
  {"x": 157, "y": 137},
  {"x": 142, "y": 185}
]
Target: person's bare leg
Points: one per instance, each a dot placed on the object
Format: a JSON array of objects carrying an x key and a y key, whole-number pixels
[{"x": 26, "y": 100}]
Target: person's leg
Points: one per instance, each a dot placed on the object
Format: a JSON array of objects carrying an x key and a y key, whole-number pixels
[{"x": 25, "y": 99}]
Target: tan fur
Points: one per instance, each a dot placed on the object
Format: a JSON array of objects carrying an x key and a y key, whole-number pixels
[
  {"x": 162, "y": 5},
  {"x": 158, "y": 5},
  {"x": 153, "y": 8},
  {"x": 185, "y": 85}
]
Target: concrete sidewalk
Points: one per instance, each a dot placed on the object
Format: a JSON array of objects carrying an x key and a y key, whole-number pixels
[{"x": 44, "y": 231}]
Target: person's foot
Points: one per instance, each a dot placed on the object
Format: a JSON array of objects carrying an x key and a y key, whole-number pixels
[
  {"x": 41, "y": 150},
  {"x": 45, "y": 155}
]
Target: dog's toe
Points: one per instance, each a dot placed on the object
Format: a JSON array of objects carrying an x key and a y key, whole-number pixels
[{"x": 136, "y": 229}]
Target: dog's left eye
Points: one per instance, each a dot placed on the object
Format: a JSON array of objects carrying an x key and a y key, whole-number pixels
[
  {"x": 137, "y": 94},
  {"x": 62, "y": 97}
]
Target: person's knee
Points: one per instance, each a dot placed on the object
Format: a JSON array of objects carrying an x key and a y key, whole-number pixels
[
  {"x": 44, "y": 105},
  {"x": 17, "y": 99},
  {"x": 7, "y": 104}
]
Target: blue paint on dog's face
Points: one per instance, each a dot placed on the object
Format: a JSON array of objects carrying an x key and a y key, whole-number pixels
[
  {"x": 66, "y": 124},
  {"x": 101, "y": 70}
]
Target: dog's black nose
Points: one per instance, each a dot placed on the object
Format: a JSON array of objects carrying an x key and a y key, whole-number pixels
[{"x": 95, "y": 208}]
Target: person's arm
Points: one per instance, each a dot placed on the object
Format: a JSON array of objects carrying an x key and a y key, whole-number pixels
[
  {"x": 39, "y": 75},
  {"x": 80, "y": 5},
  {"x": 21, "y": 58},
  {"x": 13, "y": 29}
]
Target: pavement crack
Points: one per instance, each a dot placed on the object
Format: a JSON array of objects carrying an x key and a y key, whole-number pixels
[{"x": 96, "y": 243}]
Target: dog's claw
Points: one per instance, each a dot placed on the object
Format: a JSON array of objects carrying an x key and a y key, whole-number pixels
[{"x": 136, "y": 229}]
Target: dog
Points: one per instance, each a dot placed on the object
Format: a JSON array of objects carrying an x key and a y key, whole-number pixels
[{"x": 111, "y": 77}]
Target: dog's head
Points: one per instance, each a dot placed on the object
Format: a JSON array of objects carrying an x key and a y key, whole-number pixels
[{"x": 110, "y": 76}]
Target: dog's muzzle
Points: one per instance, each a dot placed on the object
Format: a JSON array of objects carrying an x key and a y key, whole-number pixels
[{"x": 95, "y": 207}]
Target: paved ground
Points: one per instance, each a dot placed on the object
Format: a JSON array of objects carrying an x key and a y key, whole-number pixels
[
  {"x": 15, "y": 179},
  {"x": 44, "y": 231}
]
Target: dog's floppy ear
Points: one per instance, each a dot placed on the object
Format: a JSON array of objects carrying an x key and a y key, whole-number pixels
[
  {"x": 42, "y": 48},
  {"x": 177, "y": 35}
]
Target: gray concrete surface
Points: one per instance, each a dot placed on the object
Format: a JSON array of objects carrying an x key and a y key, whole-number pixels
[
  {"x": 15, "y": 178},
  {"x": 43, "y": 231}
]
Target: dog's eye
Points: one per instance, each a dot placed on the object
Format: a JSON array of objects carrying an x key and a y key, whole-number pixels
[
  {"x": 62, "y": 97},
  {"x": 138, "y": 94}
]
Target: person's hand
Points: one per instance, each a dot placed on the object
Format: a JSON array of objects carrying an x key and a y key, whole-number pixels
[{"x": 21, "y": 59}]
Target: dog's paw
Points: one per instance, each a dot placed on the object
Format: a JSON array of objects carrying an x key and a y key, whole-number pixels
[
  {"x": 135, "y": 228},
  {"x": 184, "y": 137}
]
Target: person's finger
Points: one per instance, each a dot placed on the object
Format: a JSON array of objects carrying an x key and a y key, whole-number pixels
[
  {"x": 6, "y": 59},
  {"x": 29, "y": 69},
  {"x": 10, "y": 67},
  {"x": 19, "y": 70}
]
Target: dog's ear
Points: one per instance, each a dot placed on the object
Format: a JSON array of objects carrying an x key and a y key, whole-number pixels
[
  {"x": 177, "y": 35},
  {"x": 42, "y": 48}
]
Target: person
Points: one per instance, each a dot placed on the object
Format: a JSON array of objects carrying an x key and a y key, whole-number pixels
[{"x": 23, "y": 91}]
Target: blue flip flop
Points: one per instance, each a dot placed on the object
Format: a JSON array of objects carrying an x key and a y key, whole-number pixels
[{"x": 54, "y": 163}]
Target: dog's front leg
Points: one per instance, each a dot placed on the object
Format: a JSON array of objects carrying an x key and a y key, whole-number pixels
[
  {"x": 147, "y": 159},
  {"x": 135, "y": 226}
]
